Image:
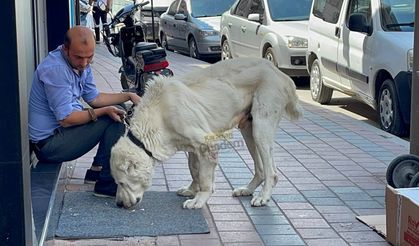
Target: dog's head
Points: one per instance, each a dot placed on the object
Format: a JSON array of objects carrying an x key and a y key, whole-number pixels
[{"x": 132, "y": 170}]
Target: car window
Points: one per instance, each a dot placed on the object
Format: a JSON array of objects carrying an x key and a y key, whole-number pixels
[
  {"x": 173, "y": 7},
  {"x": 328, "y": 10},
  {"x": 256, "y": 7},
  {"x": 242, "y": 8},
  {"x": 360, "y": 7},
  {"x": 207, "y": 8},
  {"x": 397, "y": 15},
  {"x": 183, "y": 9},
  {"x": 287, "y": 10}
]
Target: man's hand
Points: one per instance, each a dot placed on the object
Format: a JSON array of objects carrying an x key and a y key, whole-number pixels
[
  {"x": 115, "y": 113},
  {"x": 134, "y": 98}
]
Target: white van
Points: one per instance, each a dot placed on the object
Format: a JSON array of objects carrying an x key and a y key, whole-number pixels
[{"x": 364, "y": 48}]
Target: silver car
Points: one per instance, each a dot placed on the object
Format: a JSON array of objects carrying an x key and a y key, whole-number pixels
[{"x": 192, "y": 26}]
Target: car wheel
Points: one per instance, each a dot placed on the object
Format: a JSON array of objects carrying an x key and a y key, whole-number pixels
[
  {"x": 193, "y": 49},
  {"x": 225, "y": 51},
  {"x": 163, "y": 41},
  {"x": 389, "y": 110},
  {"x": 319, "y": 92},
  {"x": 270, "y": 56}
]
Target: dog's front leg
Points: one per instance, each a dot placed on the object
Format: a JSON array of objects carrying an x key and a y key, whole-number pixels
[
  {"x": 193, "y": 188},
  {"x": 207, "y": 161}
]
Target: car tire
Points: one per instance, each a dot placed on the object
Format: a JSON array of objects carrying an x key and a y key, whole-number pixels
[
  {"x": 225, "y": 51},
  {"x": 163, "y": 41},
  {"x": 389, "y": 110},
  {"x": 193, "y": 49},
  {"x": 270, "y": 56},
  {"x": 319, "y": 92},
  {"x": 124, "y": 81}
]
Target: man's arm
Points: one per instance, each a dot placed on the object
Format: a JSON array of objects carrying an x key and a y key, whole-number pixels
[
  {"x": 107, "y": 99},
  {"x": 83, "y": 117},
  {"x": 102, "y": 105}
]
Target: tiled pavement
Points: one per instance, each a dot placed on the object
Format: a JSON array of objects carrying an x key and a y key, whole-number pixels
[{"x": 332, "y": 168}]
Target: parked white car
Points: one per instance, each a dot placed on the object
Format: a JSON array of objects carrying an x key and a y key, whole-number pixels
[
  {"x": 273, "y": 29},
  {"x": 364, "y": 48}
]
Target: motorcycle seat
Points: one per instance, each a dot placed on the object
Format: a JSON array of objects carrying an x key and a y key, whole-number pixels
[{"x": 144, "y": 46}]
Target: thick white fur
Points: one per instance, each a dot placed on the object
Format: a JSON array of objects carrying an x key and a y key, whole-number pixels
[{"x": 180, "y": 112}]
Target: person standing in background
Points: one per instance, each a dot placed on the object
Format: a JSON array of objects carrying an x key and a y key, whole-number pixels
[
  {"x": 85, "y": 8},
  {"x": 101, "y": 9}
]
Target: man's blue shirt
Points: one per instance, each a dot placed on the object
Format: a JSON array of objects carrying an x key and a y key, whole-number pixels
[{"x": 56, "y": 92}]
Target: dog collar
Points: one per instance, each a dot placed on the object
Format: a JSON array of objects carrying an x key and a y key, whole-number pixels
[{"x": 140, "y": 144}]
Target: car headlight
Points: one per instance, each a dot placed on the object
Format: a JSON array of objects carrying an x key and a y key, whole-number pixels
[
  {"x": 206, "y": 33},
  {"x": 297, "y": 42},
  {"x": 410, "y": 60}
]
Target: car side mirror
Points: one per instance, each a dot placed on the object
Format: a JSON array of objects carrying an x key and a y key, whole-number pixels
[
  {"x": 254, "y": 17},
  {"x": 358, "y": 23},
  {"x": 180, "y": 17}
]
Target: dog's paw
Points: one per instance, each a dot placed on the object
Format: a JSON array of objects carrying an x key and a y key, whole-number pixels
[
  {"x": 193, "y": 203},
  {"x": 242, "y": 191},
  {"x": 259, "y": 201},
  {"x": 185, "y": 191}
]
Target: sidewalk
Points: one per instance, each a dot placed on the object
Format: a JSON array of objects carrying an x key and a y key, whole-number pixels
[{"x": 332, "y": 168}]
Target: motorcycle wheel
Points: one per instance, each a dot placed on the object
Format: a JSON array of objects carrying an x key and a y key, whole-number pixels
[{"x": 124, "y": 81}]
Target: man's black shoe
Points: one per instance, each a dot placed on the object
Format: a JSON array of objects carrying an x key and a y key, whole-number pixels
[
  {"x": 105, "y": 188},
  {"x": 91, "y": 176}
]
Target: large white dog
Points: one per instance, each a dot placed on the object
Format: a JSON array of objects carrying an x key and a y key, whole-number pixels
[{"x": 180, "y": 113}]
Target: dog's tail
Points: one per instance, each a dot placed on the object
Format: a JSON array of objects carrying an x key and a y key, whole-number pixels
[{"x": 293, "y": 107}]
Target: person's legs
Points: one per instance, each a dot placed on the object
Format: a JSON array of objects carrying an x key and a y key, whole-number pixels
[
  {"x": 72, "y": 142},
  {"x": 96, "y": 16}
]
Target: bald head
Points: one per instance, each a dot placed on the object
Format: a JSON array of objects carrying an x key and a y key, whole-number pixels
[
  {"x": 79, "y": 35},
  {"x": 79, "y": 46}
]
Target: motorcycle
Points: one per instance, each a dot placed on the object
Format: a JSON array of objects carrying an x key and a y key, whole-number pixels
[{"x": 124, "y": 37}]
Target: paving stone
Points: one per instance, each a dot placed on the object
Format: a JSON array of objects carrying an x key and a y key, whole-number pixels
[
  {"x": 363, "y": 204},
  {"x": 370, "y": 211},
  {"x": 371, "y": 244},
  {"x": 284, "y": 229},
  {"x": 240, "y": 237},
  {"x": 204, "y": 242},
  {"x": 347, "y": 217},
  {"x": 282, "y": 240},
  {"x": 302, "y": 214},
  {"x": 317, "y": 233},
  {"x": 288, "y": 198},
  {"x": 348, "y": 189},
  {"x": 328, "y": 201},
  {"x": 354, "y": 196},
  {"x": 234, "y": 226},
  {"x": 295, "y": 205},
  {"x": 239, "y": 216},
  {"x": 314, "y": 187},
  {"x": 269, "y": 220},
  {"x": 350, "y": 226},
  {"x": 361, "y": 237},
  {"x": 326, "y": 242},
  {"x": 318, "y": 193},
  {"x": 309, "y": 223}
]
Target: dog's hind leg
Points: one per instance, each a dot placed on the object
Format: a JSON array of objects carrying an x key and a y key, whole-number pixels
[
  {"x": 266, "y": 116},
  {"x": 207, "y": 162},
  {"x": 258, "y": 177},
  {"x": 193, "y": 188}
]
